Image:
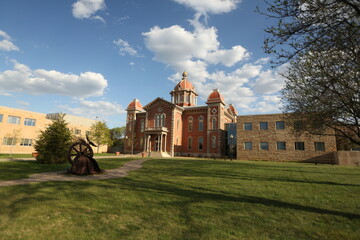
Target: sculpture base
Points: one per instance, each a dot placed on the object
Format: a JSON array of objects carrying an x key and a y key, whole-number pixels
[{"x": 85, "y": 165}]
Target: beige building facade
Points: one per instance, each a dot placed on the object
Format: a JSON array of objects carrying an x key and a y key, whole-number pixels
[
  {"x": 267, "y": 137},
  {"x": 20, "y": 128}
]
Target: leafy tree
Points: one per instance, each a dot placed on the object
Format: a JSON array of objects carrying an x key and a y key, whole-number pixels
[
  {"x": 53, "y": 143},
  {"x": 320, "y": 42},
  {"x": 117, "y": 136},
  {"x": 100, "y": 134}
]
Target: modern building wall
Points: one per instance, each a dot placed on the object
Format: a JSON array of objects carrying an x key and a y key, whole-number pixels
[
  {"x": 277, "y": 144},
  {"x": 27, "y": 126}
]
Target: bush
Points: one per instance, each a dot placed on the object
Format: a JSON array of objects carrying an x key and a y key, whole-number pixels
[{"x": 53, "y": 143}]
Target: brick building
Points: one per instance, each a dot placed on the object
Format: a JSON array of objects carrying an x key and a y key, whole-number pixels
[
  {"x": 179, "y": 127},
  {"x": 267, "y": 137}
]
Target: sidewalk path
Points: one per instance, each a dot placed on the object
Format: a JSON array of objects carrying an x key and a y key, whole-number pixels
[{"x": 61, "y": 176}]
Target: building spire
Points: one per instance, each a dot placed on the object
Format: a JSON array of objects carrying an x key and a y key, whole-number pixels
[{"x": 184, "y": 75}]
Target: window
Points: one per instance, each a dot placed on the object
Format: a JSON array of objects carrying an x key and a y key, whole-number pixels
[
  {"x": 248, "y": 145},
  {"x": 190, "y": 124},
  {"x": 26, "y": 142},
  {"x": 264, "y": 146},
  {"x": 214, "y": 123},
  {"x": 178, "y": 124},
  {"x": 300, "y": 146},
  {"x": 281, "y": 145},
  {"x": 190, "y": 143},
  {"x": 248, "y": 126},
  {"x": 201, "y": 123},
  {"x": 201, "y": 142},
  {"x": 213, "y": 142},
  {"x": 280, "y": 125},
  {"x": 13, "y": 119},
  {"x": 77, "y": 131},
  {"x": 157, "y": 120},
  {"x": 298, "y": 125},
  {"x": 319, "y": 146},
  {"x": 29, "y": 122},
  {"x": 9, "y": 141},
  {"x": 263, "y": 125},
  {"x": 1, "y": 117},
  {"x": 162, "y": 120},
  {"x": 142, "y": 125}
]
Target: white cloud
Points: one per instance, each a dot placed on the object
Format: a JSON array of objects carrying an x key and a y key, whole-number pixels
[
  {"x": 210, "y": 6},
  {"x": 125, "y": 48},
  {"x": 23, "y": 103},
  {"x": 199, "y": 50},
  {"x": 40, "y": 81},
  {"x": 5, "y": 94},
  {"x": 90, "y": 109},
  {"x": 268, "y": 82},
  {"x": 87, "y": 9},
  {"x": 6, "y": 44},
  {"x": 227, "y": 57}
]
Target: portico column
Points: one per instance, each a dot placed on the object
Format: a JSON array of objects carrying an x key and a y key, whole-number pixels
[
  {"x": 160, "y": 146},
  {"x": 145, "y": 142},
  {"x": 165, "y": 142}
]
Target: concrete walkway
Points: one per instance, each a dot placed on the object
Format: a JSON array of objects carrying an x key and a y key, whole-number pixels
[{"x": 61, "y": 176}]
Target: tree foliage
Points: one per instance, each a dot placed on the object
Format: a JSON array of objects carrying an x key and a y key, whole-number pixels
[
  {"x": 100, "y": 134},
  {"x": 320, "y": 41},
  {"x": 53, "y": 143}
]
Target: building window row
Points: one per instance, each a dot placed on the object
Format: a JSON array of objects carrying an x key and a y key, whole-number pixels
[
  {"x": 279, "y": 125},
  {"x": 281, "y": 146},
  {"x": 16, "y": 120},
  {"x": 160, "y": 120},
  {"x": 200, "y": 124},
  {"x": 200, "y": 143},
  {"x": 26, "y": 142}
]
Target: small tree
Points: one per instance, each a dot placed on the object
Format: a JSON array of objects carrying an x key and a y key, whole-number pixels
[
  {"x": 53, "y": 143},
  {"x": 100, "y": 134},
  {"x": 15, "y": 138}
]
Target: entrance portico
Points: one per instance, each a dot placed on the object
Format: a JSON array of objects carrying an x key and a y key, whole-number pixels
[{"x": 155, "y": 140}]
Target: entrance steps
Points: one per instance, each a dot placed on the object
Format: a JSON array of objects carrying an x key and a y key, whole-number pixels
[{"x": 159, "y": 154}]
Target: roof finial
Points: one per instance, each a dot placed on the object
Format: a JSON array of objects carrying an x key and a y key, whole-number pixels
[{"x": 184, "y": 74}]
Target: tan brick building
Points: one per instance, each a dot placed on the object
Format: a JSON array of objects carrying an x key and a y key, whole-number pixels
[
  {"x": 179, "y": 127},
  {"x": 267, "y": 137},
  {"x": 20, "y": 128}
]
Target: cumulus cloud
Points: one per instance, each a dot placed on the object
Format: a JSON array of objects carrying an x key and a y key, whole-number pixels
[
  {"x": 210, "y": 6},
  {"x": 125, "y": 48},
  {"x": 6, "y": 43},
  {"x": 90, "y": 109},
  {"x": 40, "y": 81},
  {"x": 198, "y": 51},
  {"x": 87, "y": 8}
]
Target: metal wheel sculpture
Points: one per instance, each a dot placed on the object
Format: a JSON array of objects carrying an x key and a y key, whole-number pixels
[{"x": 79, "y": 149}]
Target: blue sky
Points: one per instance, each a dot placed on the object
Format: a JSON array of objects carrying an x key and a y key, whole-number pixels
[{"x": 92, "y": 57}]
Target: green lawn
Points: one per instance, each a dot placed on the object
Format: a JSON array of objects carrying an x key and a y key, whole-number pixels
[{"x": 190, "y": 199}]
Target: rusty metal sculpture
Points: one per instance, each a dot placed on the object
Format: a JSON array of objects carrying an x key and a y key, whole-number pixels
[{"x": 80, "y": 156}]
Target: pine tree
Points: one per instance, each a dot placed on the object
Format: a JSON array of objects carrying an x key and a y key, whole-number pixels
[{"x": 53, "y": 143}]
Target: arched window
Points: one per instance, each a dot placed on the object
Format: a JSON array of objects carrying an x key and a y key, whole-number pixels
[
  {"x": 157, "y": 120},
  {"x": 201, "y": 123},
  {"x": 213, "y": 142},
  {"x": 200, "y": 143},
  {"x": 190, "y": 142},
  {"x": 142, "y": 125},
  {"x": 178, "y": 124},
  {"x": 190, "y": 124},
  {"x": 214, "y": 123},
  {"x": 162, "y": 120}
]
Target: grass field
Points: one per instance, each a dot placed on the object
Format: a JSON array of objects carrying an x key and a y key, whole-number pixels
[{"x": 189, "y": 199}]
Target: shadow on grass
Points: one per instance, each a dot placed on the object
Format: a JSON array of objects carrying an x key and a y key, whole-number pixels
[{"x": 203, "y": 194}]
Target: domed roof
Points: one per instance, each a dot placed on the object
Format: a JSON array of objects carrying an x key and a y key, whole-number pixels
[
  {"x": 215, "y": 96},
  {"x": 135, "y": 104},
  {"x": 184, "y": 84}
]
